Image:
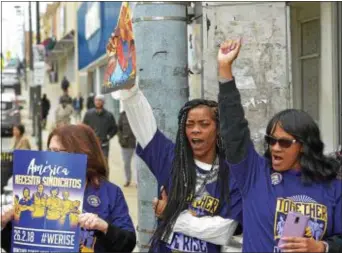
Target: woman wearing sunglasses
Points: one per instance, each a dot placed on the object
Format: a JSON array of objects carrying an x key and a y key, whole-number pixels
[
  {"x": 293, "y": 175},
  {"x": 105, "y": 222}
]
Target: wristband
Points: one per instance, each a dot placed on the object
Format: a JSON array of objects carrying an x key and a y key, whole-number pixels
[{"x": 326, "y": 246}]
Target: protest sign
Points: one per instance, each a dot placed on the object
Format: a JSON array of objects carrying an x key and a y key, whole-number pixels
[
  {"x": 121, "y": 67},
  {"x": 48, "y": 189}
]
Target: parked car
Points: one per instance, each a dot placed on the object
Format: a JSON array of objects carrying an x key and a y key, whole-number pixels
[
  {"x": 10, "y": 80},
  {"x": 10, "y": 112}
]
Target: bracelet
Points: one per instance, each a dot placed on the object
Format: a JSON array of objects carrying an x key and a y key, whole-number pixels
[{"x": 326, "y": 246}]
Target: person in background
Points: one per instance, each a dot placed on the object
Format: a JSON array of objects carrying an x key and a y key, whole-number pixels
[
  {"x": 102, "y": 122},
  {"x": 78, "y": 107},
  {"x": 66, "y": 97},
  {"x": 127, "y": 142},
  {"x": 45, "y": 109},
  {"x": 90, "y": 101},
  {"x": 63, "y": 113},
  {"x": 20, "y": 141},
  {"x": 294, "y": 174},
  {"x": 106, "y": 225},
  {"x": 65, "y": 85}
]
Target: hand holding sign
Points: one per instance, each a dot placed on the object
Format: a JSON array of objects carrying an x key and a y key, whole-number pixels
[
  {"x": 92, "y": 221},
  {"x": 7, "y": 214}
]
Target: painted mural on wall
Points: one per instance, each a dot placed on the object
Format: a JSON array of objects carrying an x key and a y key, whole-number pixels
[{"x": 121, "y": 68}]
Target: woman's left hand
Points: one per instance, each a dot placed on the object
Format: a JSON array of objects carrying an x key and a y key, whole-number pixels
[
  {"x": 301, "y": 244},
  {"x": 92, "y": 221}
]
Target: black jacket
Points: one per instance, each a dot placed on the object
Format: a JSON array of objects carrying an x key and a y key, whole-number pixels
[
  {"x": 90, "y": 102},
  {"x": 45, "y": 107},
  {"x": 102, "y": 123},
  {"x": 125, "y": 134}
]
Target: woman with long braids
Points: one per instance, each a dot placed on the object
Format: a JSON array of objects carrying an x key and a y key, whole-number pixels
[
  {"x": 203, "y": 200},
  {"x": 293, "y": 176}
]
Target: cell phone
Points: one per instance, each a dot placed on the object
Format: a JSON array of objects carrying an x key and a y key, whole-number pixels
[{"x": 294, "y": 226}]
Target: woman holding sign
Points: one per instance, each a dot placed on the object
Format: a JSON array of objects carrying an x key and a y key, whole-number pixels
[
  {"x": 105, "y": 221},
  {"x": 293, "y": 176},
  {"x": 204, "y": 204}
]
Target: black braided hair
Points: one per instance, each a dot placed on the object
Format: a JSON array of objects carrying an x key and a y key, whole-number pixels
[{"x": 183, "y": 173}]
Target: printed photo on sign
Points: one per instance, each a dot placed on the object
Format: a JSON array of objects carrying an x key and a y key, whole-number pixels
[
  {"x": 48, "y": 191},
  {"x": 121, "y": 68}
]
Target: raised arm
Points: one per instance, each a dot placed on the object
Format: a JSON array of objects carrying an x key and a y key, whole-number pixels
[
  {"x": 139, "y": 114},
  {"x": 233, "y": 125},
  {"x": 154, "y": 148},
  {"x": 245, "y": 162}
]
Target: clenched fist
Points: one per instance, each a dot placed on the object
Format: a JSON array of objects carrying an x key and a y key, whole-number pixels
[{"x": 228, "y": 52}]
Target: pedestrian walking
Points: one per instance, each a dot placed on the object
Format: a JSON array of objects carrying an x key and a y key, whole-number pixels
[
  {"x": 65, "y": 84},
  {"x": 105, "y": 223},
  {"x": 127, "y": 142},
  {"x": 78, "y": 107},
  {"x": 45, "y": 103},
  {"x": 90, "y": 101},
  {"x": 293, "y": 174},
  {"x": 63, "y": 113},
  {"x": 102, "y": 122}
]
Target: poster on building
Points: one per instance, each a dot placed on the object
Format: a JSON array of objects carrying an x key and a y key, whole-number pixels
[
  {"x": 48, "y": 189},
  {"x": 39, "y": 64},
  {"x": 121, "y": 66}
]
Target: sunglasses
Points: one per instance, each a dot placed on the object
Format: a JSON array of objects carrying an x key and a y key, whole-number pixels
[{"x": 283, "y": 142}]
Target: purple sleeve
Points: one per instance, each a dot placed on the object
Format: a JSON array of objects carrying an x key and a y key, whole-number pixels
[
  {"x": 337, "y": 225},
  {"x": 249, "y": 170},
  {"x": 158, "y": 156},
  {"x": 119, "y": 214}
]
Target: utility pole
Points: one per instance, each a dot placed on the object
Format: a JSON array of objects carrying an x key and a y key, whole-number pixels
[
  {"x": 160, "y": 31},
  {"x": 30, "y": 37},
  {"x": 38, "y": 88},
  {"x": 31, "y": 69}
]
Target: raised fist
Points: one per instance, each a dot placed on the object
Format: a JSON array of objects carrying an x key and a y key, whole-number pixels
[{"x": 228, "y": 52}]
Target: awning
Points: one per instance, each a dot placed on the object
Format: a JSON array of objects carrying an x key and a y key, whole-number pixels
[{"x": 62, "y": 47}]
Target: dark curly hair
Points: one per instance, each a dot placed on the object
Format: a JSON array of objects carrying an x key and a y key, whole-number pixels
[
  {"x": 183, "y": 173},
  {"x": 315, "y": 166}
]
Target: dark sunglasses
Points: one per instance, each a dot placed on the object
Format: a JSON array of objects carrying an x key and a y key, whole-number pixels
[{"x": 283, "y": 142}]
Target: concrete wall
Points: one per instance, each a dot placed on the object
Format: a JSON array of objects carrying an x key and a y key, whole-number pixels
[{"x": 261, "y": 71}]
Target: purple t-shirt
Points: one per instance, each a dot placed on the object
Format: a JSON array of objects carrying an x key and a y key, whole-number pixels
[
  {"x": 158, "y": 155},
  {"x": 109, "y": 203},
  {"x": 266, "y": 205}
]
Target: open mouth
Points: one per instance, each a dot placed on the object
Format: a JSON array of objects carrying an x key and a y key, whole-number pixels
[
  {"x": 276, "y": 159},
  {"x": 196, "y": 142}
]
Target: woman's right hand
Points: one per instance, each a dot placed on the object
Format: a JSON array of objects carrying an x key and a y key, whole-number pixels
[
  {"x": 228, "y": 52},
  {"x": 7, "y": 214}
]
